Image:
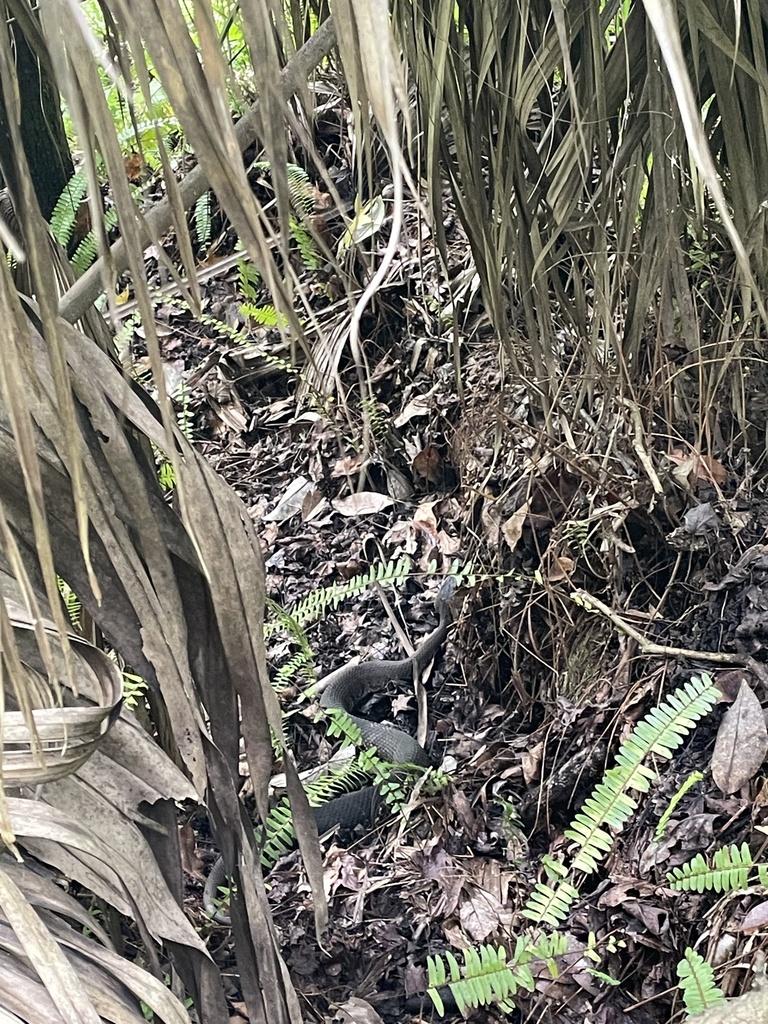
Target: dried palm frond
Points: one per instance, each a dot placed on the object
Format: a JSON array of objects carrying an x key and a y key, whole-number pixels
[
  {"x": 578, "y": 164},
  {"x": 180, "y": 597}
]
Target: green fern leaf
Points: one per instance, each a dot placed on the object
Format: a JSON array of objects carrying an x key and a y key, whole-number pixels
[
  {"x": 547, "y": 905},
  {"x": 730, "y": 871},
  {"x": 202, "y": 218},
  {"x": 65, "y": 211},
  {"x": 697, "y": 983},
  {"x": 317, "y": 603},
  {"x": 435, "y": 980},
  {"x": 661, "y": 731},
  {"x": 485, "y": 978},
  {"x": 279, "y": 837},
  {"x": 265, "y": 316}
]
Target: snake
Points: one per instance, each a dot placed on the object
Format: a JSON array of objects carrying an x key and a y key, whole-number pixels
[{"x": 345, "y": 688}]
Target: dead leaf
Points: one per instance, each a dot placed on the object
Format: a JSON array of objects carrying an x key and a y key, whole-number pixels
[
  {"x": 403, "y": 537},
  {"x": 448, "y": 545},
  {"x": 729, "y": 682},
  {"x": 742, "y": 742},
  {"x": 531, "y": 761},
  {"x": 512, "y": 528},
  {"x": 134, "y": 166},
  {"x": 490, "y": 877},
  {"x": 755, "y": 557},
  {"x": 357, "y": 1011},
  {"x": 291, "y": 501},
  {"x": 190, "y": 860},
  {"x": 429, "y": 464},
  {"x": 683, "y": 467},
  {"x": 455, "y": 936},
  {"x": 425, "y": 521},
  {"x": 367, "y": 221},
  {"x": 310, "y": 507},
  {"x": 414, "y": 979},
  {"x": 464, "y": 813},
  {"x": 419, "y": 406},
  {"x": 701, "y": 520},
  {"x": 402, "y": 702},
  {"x": 696, "y": 470},
  {"x": 363, "y": 503},
  {"x": 756, "y": 918},
  {"x": 491, "y": 522},
  {"x": 482, "y": 915},
  {"x": 559, "y": 568},
  {"x": 425, "y": 515},
  {"x": 713, "y": 470},
  {"x": 398, "y": 484},
  {"x": 350, "y": 465}
]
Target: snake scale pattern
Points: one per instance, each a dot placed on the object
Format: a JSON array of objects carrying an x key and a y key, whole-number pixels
[{"x": 345, "y": 688}]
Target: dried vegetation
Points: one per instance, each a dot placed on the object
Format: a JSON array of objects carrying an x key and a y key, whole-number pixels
[{"x": 513, "y": 326}]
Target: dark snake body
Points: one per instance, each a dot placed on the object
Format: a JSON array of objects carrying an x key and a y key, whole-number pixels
[{"x": 345, "y": 688}]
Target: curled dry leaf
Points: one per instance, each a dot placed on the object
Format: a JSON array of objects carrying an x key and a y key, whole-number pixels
[
  {"x": 753, "y": 558},
  {"x": 756, "y": 918},
  {"x": 357, "y": 1011},
  {"x": 483, "y": 915},
  {"x": 512, "y": 528},
  {"x": 364, "y": 503},
  {"x": 291, "y": 501},
  {"x": 742, "y": 742},
  {"x": 429, "y": 464},
  {"x": 418, "y": 406},
  {"x": 697, "y": 470}
]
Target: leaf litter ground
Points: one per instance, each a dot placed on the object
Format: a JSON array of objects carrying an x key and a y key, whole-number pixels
[{"x": 535, "y": 692}]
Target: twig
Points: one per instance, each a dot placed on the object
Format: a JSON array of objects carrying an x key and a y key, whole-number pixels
[
  {"x": 638, "y": 443},
  {"x": 591, "y": 603}
]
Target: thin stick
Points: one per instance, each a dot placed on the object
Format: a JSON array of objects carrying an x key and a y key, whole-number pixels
[{"x": 591, "y": 603}]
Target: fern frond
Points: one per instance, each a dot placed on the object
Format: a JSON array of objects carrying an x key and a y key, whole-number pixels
[
  {"x": 378, "y": 417},
  {"x": 280, "y": 836},
  {"x": 547, "y": 905},
  {"x": 202, "y": 218},
  {"x": 184, "y": 416},
  {"x": 266, "y": 315},
  {"x": 301, "y": 664},
  {"x": 166, "y": 475},
  {"x": 65, "y": 211},
  {"x": 305, "y": 243},
  {"x": 303, "y": 660},
  {"x": 300, "y": 190},
  {"x": 692, "y": 780},
  {"x": 299, "y": 186},
  {"x": 71, "y": 602},
  {"x": 390, "y": 782},
  {"x": 697, "y": 983},
  {"x": 340, "y": 725},
  {"x": 730, "y": 870},
  {"x": 316, "y": 604},
  {"x": 547, "y": 947},
  {"x": 485, "y": 978},
  {"x": 250, "y": 279},
  {"x": 660, "y": 732},
  {"x": 88, "y": 249}
]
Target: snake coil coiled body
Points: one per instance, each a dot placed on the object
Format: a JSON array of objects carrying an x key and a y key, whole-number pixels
[{"x": 345, "y": 688}]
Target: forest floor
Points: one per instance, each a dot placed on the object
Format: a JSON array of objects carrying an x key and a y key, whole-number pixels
[{"x": 535, "y": 691}]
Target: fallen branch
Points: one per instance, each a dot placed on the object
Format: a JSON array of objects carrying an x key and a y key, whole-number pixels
[{"x": 586, "y": 600}]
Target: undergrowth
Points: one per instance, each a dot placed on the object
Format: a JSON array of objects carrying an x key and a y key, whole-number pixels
[{"x": 492, "y": 975}]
